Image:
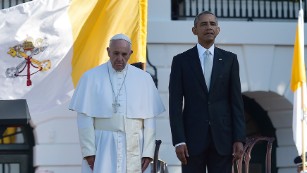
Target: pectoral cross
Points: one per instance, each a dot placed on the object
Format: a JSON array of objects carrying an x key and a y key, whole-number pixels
[{"x": 115, "y": 107}]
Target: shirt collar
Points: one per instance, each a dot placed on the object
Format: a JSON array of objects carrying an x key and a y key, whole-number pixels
[
  {"x": 202, "y": 50},
  {"x": 113, "y": 71}
]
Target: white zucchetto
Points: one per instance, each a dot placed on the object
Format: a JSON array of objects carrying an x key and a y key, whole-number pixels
[{"x": 121, "y": 37}]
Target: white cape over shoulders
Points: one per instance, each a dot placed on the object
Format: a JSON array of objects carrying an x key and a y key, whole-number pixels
[{"x": 93, "y": 95}]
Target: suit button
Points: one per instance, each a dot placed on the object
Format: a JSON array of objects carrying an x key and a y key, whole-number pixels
[{"x": 209, "y": 103}]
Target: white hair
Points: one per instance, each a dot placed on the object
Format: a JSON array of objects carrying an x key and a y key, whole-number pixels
[{"x": 121, "y": 37}]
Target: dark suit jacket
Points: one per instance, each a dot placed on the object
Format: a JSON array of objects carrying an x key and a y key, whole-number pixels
[{"x": 221, "y": 108}]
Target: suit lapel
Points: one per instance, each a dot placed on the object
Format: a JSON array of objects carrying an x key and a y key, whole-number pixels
[
  {"x": 196, "y": 67},
  {"x": 218, "y": 62}
]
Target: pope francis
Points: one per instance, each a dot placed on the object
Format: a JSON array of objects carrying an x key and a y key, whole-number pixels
[{"x": 116, "y": 105}]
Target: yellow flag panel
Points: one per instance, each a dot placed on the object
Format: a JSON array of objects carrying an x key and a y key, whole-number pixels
[{"x": 95, "y": 22}]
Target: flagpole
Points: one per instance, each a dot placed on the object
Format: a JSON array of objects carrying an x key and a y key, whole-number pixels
[
  {"x": 303, "y": 106},
  {"x": 303, "y": 127}
]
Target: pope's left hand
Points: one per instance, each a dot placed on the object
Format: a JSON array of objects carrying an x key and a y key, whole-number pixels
[{"x": 145, "y": 162}]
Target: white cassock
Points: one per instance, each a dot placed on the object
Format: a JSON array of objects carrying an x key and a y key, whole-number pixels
[{"x": 116, "y": 125}]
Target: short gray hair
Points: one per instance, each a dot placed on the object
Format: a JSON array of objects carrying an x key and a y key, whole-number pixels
[{"x": 196, "y": 19}]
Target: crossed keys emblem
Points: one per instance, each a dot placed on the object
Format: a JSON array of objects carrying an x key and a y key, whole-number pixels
[{"x": 27, "y": 50}]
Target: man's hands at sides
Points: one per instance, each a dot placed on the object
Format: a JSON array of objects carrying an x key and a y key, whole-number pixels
[
  {"x": 90, "y": 161},
  {"x": 182, "y": 153}
]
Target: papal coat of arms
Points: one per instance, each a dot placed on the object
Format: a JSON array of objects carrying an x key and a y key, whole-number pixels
[{"x": 29, "y": 65}]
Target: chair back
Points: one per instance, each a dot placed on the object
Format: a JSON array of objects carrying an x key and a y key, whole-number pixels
[
  {"x": 247, "y": 149},
  {"x": 159, "y": 166}
]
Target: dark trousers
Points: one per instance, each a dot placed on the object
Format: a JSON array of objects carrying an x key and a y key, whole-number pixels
[{"x": 210, "y": 158}]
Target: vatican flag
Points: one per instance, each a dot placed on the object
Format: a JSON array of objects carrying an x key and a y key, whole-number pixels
[
  {"x": 46, "y": 45},
  {"x": 298, "y": 86}
]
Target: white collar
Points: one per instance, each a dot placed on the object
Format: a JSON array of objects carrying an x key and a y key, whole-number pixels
[
  {"x": 113, "y": 71},
  {"x": 202, "y": 50}
]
